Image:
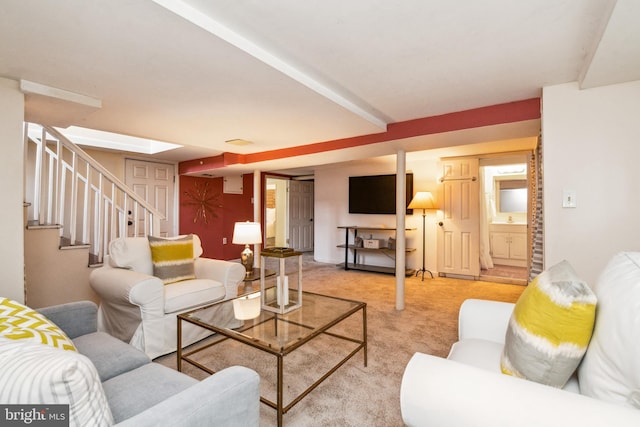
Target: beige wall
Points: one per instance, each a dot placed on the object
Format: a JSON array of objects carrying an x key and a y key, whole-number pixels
[
  {"x": 55, "y": 276},
  {"x": 592, "y": 147},
  {"x": 11, "y": 177},
  {"x": 113, "y": 162}
]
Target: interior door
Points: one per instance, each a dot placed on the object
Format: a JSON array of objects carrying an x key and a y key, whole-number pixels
[
  {"x": 155, "y": 183},
  {"x": 458, "y": 238},
  {"x": 301, "y": 215}
]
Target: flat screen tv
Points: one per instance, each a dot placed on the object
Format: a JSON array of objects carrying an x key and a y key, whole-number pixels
[{"x": 376, "y": 194}]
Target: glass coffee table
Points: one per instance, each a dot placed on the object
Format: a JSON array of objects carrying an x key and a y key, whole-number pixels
[{"x": 280, "y": 334}]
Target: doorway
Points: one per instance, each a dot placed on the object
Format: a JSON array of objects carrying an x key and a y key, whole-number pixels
[
  {"x": 276, "y": 213},
  {"x": 504, "y": 219},
  {"x": 288, "y": 214}
]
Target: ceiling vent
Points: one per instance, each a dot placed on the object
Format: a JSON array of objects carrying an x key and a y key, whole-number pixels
[{"x": 239, "y": 142}]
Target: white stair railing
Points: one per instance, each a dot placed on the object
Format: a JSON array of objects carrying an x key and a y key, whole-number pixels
[{"x": 67, "y": 187}]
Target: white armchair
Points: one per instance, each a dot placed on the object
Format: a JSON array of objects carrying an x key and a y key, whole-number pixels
[
  {"x": 140, "y": 309},
  {"x": 468, "y": 389}
]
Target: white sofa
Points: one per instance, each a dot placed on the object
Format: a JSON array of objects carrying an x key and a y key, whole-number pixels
[
  {"x": 468, "y": 388},
  {"x": 139, "y": 309}
]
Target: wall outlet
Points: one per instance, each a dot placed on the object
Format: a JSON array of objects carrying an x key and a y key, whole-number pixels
[{"x": 224, "y": 240}]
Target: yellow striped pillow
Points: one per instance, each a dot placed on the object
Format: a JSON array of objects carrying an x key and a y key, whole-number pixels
[
  {"x": 20, "y": 322},
  {"x": 550, "y": 328},
  {"x": 172, "y": 258}
]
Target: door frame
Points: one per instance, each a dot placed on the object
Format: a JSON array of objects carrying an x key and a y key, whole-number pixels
[
  {"x": 483, "y": 159},
  {"x": 282, "y": 212},
  {"x": 283, "y": 216}
]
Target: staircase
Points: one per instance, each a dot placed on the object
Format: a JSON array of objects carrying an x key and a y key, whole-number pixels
[{"x": 74, "y": 203}]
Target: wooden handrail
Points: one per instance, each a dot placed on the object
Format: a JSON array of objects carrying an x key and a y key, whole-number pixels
[{"x": 68, "y": 187}]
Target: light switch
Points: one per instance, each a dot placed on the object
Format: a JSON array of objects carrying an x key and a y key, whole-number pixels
[{"x": 569, "y": 199}]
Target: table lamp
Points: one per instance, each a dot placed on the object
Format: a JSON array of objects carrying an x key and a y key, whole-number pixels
[{"x": 247, "y": 233}]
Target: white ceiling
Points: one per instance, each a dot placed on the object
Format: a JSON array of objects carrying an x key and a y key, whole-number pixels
[{"x": 287, "y": 73}]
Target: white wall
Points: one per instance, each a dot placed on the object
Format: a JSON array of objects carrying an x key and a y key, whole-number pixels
[
  {"x": 11, "y": 178},
  {"x": 331, "y": 187},
  {"x": 591, "y": 146}
]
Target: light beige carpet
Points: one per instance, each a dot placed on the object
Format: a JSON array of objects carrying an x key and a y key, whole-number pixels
[{"x": 356, "y": 395}]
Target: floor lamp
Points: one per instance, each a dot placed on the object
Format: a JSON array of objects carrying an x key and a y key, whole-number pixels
[{"x": 423, "y": 200}]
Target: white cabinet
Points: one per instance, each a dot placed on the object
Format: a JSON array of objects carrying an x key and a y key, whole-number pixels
[{"x": 509, "y": 244}]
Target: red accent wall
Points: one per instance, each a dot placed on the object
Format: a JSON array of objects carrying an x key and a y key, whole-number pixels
[{"x": 206, "y": 211}]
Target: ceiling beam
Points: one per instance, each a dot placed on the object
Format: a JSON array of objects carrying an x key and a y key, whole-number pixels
[
  {"x": 288, "y": 68},
  {"x": 32, "y": 88}
]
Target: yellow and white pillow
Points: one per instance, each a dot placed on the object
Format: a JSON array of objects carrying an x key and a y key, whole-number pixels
[
  {"x": 19, "y": 322},
  {"x": 173, "y": 259},
  {"x": 40, "y": 374},
  {"x": 550, "y": 328}
]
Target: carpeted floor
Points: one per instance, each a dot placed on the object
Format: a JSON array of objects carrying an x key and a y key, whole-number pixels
[{"x": 356, "y": 395}]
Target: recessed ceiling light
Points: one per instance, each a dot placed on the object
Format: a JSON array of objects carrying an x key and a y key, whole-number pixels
[{"x": 239, "y": 141}]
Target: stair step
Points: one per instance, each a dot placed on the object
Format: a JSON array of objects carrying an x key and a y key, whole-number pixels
[
  {"x": 65, "y": 244},
  {"x": 93, "y": 261},
  {"x": 33, "y": 225}
]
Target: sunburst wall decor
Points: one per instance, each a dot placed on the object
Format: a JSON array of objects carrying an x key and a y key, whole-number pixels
[{"x": 204, "y": 201}]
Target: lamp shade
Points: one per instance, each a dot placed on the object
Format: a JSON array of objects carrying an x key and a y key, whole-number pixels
[
  {"x": 423, "y": 200},
  {"x": 247, "y": 307},
  {"x": 247, "y": 233}
]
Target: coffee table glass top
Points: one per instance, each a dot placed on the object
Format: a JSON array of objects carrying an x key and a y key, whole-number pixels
[{"x": 278, "y": 332}]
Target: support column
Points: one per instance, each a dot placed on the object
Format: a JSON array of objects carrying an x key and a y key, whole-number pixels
[
  {"x": 257, "y": 213},
  {"x": 401, "y": 203}
]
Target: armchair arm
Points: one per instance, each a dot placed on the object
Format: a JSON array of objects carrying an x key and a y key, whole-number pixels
[
  {"x": 484, "y": 319},
  {"x": 230, "y": 274},
  {"x": 123, "y": 285},
  {"x": 230, "y": 398},
  {"x": 126, "y": 297},
  {"x": 74, "y": 318},
  {"x": 441, "y": 392}
]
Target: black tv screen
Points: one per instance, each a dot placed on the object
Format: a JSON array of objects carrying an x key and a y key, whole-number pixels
[{"x": 376, "y": 194}]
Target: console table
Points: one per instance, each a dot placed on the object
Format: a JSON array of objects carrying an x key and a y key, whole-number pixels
[{"x": 351, "y": 246}]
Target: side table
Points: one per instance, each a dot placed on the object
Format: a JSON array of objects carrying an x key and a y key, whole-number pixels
[{"x": 255, "y": 275}]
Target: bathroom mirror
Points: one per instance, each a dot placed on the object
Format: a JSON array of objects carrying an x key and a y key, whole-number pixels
[{"x": 511, "y": 195}]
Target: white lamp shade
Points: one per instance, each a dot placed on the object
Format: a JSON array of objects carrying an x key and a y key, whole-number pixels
[
  {"x": 423, "y": 200},
  {"x": 247, "y": 233},
  {"x": 247, "y": 307}
]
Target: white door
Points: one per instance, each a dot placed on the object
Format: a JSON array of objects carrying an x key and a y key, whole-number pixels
[
  {"x": 458, "y": 238},
  {"x": 155, "y": 182},
  {"x": 301, "y": 215}
]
